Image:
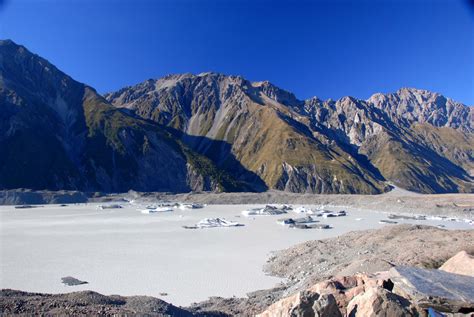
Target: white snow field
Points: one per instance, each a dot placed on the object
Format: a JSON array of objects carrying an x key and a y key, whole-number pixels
[{"x": 122, "y": 251}]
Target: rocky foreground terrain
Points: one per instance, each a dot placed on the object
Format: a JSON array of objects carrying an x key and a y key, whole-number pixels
[
  {"x": 85, "y": 303},
  {"x": 337, "y": 275},
  {"x": 369, "y": 252}
]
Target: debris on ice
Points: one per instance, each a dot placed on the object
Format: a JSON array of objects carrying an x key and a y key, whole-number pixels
[
  {"x": 330, "y": 214},
  {"x": 184, "y": 206},
  {"x": 112, "y": 206},
  {"x": 309, "y": 226},
  {"x": 213, "y": 223},
  {"x": 387, "y": 222},
  {"x": 303, "y": 220},
  {"x": 268, "y": 210},
  {"x": 156, "y": 209}
]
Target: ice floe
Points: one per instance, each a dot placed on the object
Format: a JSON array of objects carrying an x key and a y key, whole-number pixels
[
  {"x": 213, "y": 223},
  {"x": 302, "y": 210},
  {"x": 184, "y": 206},
  {"x": 268, "y": 210},
  {"x": 331, "y": 214},
  {"x": 26, "y": 206},
  {"x": 404, "y": 217},
  {"x": 303, "y": 220},
  {"x": 391, "y": 222},
  {"x": 150, "y": 210},
  {"x": 310, "y": 226},
  {"x": 111, "y": 206}
]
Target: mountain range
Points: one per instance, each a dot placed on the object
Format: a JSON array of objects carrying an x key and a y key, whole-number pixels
[{"x": 213, "y": 132}]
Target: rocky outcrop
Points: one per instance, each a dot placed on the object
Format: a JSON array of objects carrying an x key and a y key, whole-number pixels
[
  {"x": 417, "y": 105},
  {"x": 304, "y": 304},
  {"x": 462, "y": 263},
  {"x": 425, "y": 288},
  {"x": 417, "y": 155},
  {"x": 367, "y": 291},
  {"x": 356, "y": 295},
  {"x": 401, "y": 291},
  {"x": 366, "y": 252},
  {"x": 378, "y": 302}
]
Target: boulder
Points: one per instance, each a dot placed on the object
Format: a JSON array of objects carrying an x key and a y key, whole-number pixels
[
  {"x": 462, "y": 263},
  {"x": 345, "y": 288},
  {"x": 326, "y": 305},
  {"x": 378, "y": 302},
  {"x": 443, "y": 291},
  {"x": 304, "y": 304}
]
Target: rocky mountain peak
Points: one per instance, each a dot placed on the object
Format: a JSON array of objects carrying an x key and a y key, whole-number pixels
[
  {"x": 423, "y": 106},
  {"x": 277, "y": 94}
]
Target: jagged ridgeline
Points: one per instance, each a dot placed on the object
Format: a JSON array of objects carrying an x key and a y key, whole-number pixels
[{"x": 223, "y": 133}]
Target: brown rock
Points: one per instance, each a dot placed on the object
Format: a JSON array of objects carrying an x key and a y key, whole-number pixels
[
  {"x": 345, "y": 288},
  {"x": 304, "y": 304},
  {"x": 378, "y": 302},
  {"x": 462, "y": 263}
]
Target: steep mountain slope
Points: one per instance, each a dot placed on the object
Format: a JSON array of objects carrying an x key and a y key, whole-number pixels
[
  {"x": 317, "y": 146},
  {"x": 56, "y": 133},
  {"x": 249, "y": 130},
  {"x": 216, "y": 132},
  {"x": 417, "y": 156}
]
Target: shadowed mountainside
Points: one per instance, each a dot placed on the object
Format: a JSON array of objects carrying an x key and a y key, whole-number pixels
[{"x": 56, "y": 133}]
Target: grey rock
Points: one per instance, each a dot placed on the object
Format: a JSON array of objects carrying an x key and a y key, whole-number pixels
[
  {"x": 444, "y": 291},
  {"x": 326, "y": 305},
  {"x": 417, "y": 105}
]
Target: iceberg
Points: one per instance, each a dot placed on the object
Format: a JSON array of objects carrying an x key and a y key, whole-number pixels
[
  {"x": 330, "y": 214},
  {"x": 213, "y": 223},
  {"x": 156, "y": 209},
  {"x": 404, "y": 217},
  {"x": 292, "y": 221},
  {"x": 303, "y": 210},
  {"x": 25, "y": 206},
  {"x": 268, "y": 210},
  {"x": 184, "y": 206},
  {"x": 383, "y": 221},
  {"x": 113, "y": 206},
  {"x": 310, "y": 226}
]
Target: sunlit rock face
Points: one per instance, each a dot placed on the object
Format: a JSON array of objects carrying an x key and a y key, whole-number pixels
[{"x": 315, "y": 146}]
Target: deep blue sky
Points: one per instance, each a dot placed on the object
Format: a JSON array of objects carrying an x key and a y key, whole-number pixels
[{"x": 325, "y": 48}]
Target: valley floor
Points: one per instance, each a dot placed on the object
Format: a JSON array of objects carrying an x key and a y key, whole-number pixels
[{"x": 122, "y": 251}]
